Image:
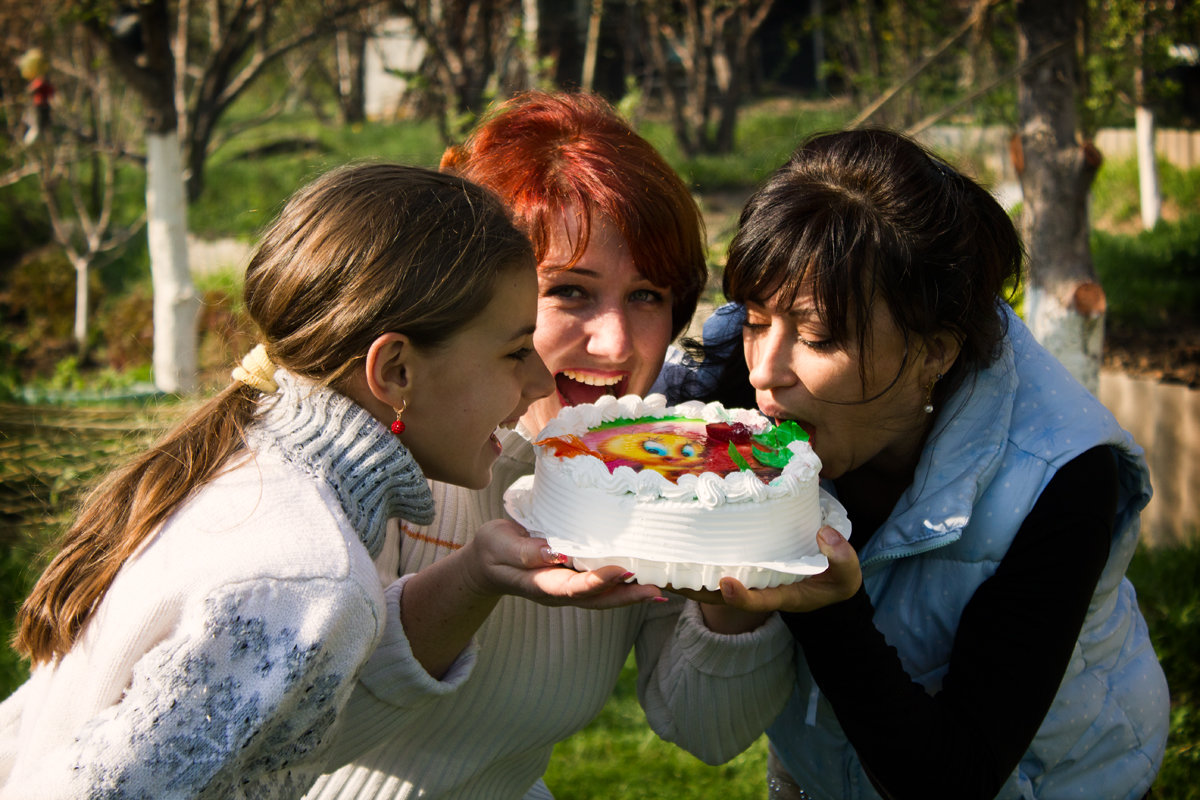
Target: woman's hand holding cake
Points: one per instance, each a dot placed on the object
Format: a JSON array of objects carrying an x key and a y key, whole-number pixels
[
  {"x": 443, "y": 605},
  {"x": 837, "y": 583},
  {"x": 507, "y": 560}
]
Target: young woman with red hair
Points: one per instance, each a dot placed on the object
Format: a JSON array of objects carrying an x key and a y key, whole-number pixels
[{"x": 619, "y": 245}]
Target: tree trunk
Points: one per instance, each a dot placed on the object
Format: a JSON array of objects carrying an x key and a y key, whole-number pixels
[
  {"x": 530, "y": 24},
  {"x": 175, "y": 302},
  {"x": 82, "y": 263},
  {"x": 350, "y": 46},
  {"x": 1151, "y": 198},
  {"x": 592, "y": 48},
  {"x": 1064, "y": 305}
]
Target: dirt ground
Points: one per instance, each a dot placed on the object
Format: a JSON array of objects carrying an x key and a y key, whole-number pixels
[{"x": 1171, "y": 356}]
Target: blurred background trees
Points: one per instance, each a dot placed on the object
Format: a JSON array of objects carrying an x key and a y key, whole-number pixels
[{"x": 136, "y": 98}]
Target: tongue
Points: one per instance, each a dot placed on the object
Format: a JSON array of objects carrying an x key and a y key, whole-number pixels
[{"x": 576, "y": 393}]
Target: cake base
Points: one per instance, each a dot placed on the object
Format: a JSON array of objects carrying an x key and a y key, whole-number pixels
[{"x": 649, "y": 569}]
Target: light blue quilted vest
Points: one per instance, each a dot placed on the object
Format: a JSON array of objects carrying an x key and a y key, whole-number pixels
[{"x": 994, "y": 448}]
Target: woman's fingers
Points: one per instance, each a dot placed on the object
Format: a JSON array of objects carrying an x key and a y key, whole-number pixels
[{"x": 838, "y": 582}]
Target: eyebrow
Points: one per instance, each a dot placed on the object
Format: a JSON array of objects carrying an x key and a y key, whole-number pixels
[
  {"x": 803, "y": 314},
  {"x": 596, "y": 275},
  {"x": 523, "y": 332},
  {"x": 796, "y": 314}
]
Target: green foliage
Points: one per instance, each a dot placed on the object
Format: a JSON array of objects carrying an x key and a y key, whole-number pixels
[
  {"x": 873, "y": 46},
  {"x": 617, "y": 755},
  {"x": 1114, "y": 193},
  {"x": 766, "y": 136},
  {"x": 1113, "y": 56},
  {"x": 1153, "y": 278},
  {"x": 248, "y": 180},
  {"x": 17, "y": 575},
  {"x": 1116, "y": 197}
]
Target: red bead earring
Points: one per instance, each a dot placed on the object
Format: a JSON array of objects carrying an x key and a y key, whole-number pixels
[{"x": 398, "y": 426}]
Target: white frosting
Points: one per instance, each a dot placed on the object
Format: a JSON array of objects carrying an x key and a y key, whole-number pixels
[{"x": 706, "y": 518}]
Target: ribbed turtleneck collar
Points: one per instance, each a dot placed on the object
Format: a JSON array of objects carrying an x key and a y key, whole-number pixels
[{"x": 330, "y": 437}]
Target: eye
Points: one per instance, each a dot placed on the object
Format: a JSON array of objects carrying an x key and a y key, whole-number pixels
[
  {"x": 647, "y": 296},
  {"x": 688, "y": 450},
  {"x": 521, "y": 353},
  {"x": 756, "y": 323},
  {"x": 567, "y": 291},
  {"x": 815, "y": 340},
  {"x": 821, "y": 344},
  {"x": 654, "y": 448}
]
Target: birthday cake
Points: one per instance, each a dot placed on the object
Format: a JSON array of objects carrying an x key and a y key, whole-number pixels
[{"x": 680, "y": 495}]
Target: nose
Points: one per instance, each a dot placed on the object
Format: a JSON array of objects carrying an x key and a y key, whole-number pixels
[
  {"x": 538, "y": 380},
  {"x": 609, "y": 335},
  {"x": 769, "y": 359}
]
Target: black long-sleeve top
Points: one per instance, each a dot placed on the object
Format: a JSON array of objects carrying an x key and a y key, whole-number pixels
[{"x": 1011, "y": 650}]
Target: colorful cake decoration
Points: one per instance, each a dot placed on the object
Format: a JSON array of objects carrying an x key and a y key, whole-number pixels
[{"x": 680, "y": 495}]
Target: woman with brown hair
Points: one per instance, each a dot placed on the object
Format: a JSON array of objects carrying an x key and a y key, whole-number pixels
[
  {"x": 214, "y": 602},
  {"x": 618, "y": 240}
]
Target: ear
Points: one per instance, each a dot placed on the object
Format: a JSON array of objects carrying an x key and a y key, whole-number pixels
[
  {"x": 388, "y": 368},
  {"x": 940, "y": 352}
]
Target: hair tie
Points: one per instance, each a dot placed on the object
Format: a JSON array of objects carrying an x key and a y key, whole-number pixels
[{"x": 257, "y": 371}]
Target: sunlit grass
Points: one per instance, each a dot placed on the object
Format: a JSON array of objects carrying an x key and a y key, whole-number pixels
[{"x": 618, "y": 755}]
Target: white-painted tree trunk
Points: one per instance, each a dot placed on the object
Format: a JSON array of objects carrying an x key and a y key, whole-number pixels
[
  {"x": 1075, "y": 339},
  {"x": 1151, "y": 198},
  {"x": 175, "y": 302},
  {"x": 82, "y": 266}
]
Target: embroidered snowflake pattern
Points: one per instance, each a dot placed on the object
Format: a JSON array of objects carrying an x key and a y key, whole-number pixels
[{"x": 223, "y": 720}]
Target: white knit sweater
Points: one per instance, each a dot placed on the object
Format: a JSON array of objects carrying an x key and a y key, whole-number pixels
[
  {"x": 219, "y": 658},
  {"x": 538, "y": 674}
]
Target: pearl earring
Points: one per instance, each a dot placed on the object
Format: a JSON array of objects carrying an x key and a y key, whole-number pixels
[{"x": 928, "y": 409}]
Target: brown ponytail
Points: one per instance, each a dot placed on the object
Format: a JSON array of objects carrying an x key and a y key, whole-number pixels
[
  {"x": 361, "y": 251},
  {"x": 120, "y": 514}
]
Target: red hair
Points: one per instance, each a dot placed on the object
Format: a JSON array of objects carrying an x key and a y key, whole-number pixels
[{"x": 544, "y": 152}]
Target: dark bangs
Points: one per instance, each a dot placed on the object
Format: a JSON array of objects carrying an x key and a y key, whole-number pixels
[{"x": 797, "y": 239}]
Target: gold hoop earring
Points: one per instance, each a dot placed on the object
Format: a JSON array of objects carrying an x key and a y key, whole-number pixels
[{"x": 398, "y": 426}]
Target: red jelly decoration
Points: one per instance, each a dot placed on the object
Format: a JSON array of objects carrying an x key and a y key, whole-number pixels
[{"x": 728, "y": 432}]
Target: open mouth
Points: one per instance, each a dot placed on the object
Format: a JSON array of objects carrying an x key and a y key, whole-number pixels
[{"x": 576, "y": 387}]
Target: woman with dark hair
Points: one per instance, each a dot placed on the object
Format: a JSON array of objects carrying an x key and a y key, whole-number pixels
[
  {"x": 976, "y": 636},
  {"x": 618, "y": 240}
]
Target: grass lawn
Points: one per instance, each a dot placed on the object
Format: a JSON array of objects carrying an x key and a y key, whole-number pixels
[{"x": 618, "y": 755}]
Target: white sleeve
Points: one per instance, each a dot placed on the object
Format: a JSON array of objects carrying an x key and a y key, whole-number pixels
[
  {"x": 250, "y": 683},
  {"x": 10, "y": 727},
  {"x": 392, "y": 685},
  {"x": 710, "y": 693}
]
